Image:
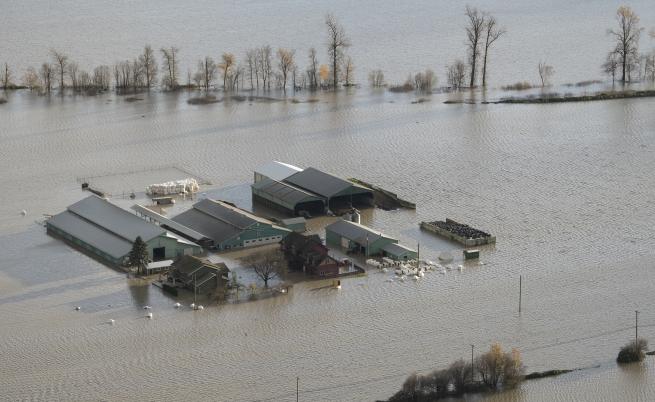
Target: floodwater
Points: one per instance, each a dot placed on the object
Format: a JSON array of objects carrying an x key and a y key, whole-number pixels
[{"x": 567, "y": 189}]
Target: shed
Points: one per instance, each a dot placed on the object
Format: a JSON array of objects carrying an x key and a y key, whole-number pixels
[
  {"x": 337, "y": 192},
  {"x": 356, "y": 237},
  {"x": 287, "y": 198},
  {"x": 275, "y": 170},
  {"x": 190, "y": 272},
  {"x": 297, "y": 224},
  {"x": 399, "y": 252}
]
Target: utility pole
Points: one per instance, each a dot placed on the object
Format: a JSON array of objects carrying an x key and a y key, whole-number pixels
[
  {"x": 472, "y": 371},
  {"x": 520, "y": 291},
  {"x": 297, "y": 388},
  {"x": 636, "y": 326}
]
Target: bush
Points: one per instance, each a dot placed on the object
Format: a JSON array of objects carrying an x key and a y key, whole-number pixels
[
  {"x": 518, "y": 86},
  {"x": 632, "y": 352}
]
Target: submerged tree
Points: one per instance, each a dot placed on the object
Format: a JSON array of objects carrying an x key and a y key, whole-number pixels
[
  {"x": 138, "y": 257},
  {"x": 337, "y": 43},
  {"x": 267, "y": 266},
  {"x": 376, "y": 78},
  {"x": 149, "y": 66},
  {"x": 170, "y": 67},
  {"x": 456, "y": 73},
  {"x": 545, "y": 73},
  {"x": 312, "y": 70},
  {"x": 627, "y": 39},
  {"x": 225, "y": 66},
  {"x": 474, "y": 33},
  {"x": 6, "y": 77},
  {"x": 492, "y": 32},
  {"x": 46, "y": 77},
  {"x": 634, "y": 351},
  {"x": 61, "y": 65},
  {"x": 611, "y": 65},
  {"x": 285, "y": 64}
]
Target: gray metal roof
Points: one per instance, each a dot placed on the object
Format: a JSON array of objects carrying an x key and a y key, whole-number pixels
[
  {"x": 115, "y": 219},
  {"x": 277, "y": 170},
  {"x": 321, "y": 183},
  {"x": 225, "y": 213},
  {"x": 86, "y": 231},
  {"x": 168, "y": 222},
  {"x": 355, "y": 231},
  {"x": 397, "y": 249},
  {"x": 285, "y": 192},
  {"x": 294, "y": 221},
  {"x": 210, "y": 227}
]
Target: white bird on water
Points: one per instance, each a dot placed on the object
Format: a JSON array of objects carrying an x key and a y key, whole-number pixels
[
  {"x": 147, "y": 307},
  {"x": 177, "y": 305},
  {"x": 111, "y": 321},
  {"x": 200, "y": 307},
  {"x": 23, "y": 213},
  {"x": 78, "y": 308}
]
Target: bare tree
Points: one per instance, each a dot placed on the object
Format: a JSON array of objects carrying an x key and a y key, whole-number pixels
[
  {"x": 474, "y": 33},
  {"x": 337, "y": 43},
  {"x": 5, "y": 77},
  {"x": 545, "y": 73},
  {"x": 286, "y": 64},
  {"x": 149, "y": 65},
  {"x": 456, "y": 74},
  {"x": 228, "y": 61},
  {"x": 265, "y": 65},
  {"x": 101, "y": 77},
  {"x": 627, "y": 39},
  {"x": 376, "y": 78},
  {"x": 206, "y": 73},
  {"x": 137, "y": 75},
  {"x": 170, "y": 67},
  {"x": 251, "y": 62},
  {"x": 348, "y": 70},
  {"x": 46, "y": 76},
  {"x": 73, "y": 70},
  {"x": 267, "y": 266},
  {"x": 611, "y": 65},
  {"x": 492, "y": 32},
  {"x": 424, "y": 81},
  {"x": 312, "y": 71},
  {"x": 31, "y": 78},
  {"x": 61, "y": 64}
]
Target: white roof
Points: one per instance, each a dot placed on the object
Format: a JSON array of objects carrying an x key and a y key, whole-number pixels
[
  {"x": 160, "y": 264},
  {"x": 277, "y": 170}
]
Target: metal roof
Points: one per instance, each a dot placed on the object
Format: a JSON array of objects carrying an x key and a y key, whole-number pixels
[
  {"x": 225, "y": 213},
  {"x": 277, "y": 170},
  {"x": 294, "y": 221},
  {"x": 321, "y": 183},
  {"x": 101, "y": 239},
  {"x": 210, "y": 227},
  {"x": 169, "y": 222},
  {"x": 285, "y": 192},
  {"x": 355, "y": 231},
  {"x": 115, "y": 219},
  {"x": 397, "y": 249}
]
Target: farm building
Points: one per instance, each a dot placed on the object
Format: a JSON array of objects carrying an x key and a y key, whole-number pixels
[
  {"x": 306, "y": 192},
  {"x": 190, "y": 272},
  {"x": 229, "y": 227},
  {"x": 358, "y": 238},
  {"x": 107, "y": 231},
  {"x": 308, "y": 254},
  {"x": 297, "y": 224}
]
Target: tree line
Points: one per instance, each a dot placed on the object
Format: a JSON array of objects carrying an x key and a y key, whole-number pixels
[
  {"x": 490, "y": 371},
  {"x": 265, "y": 68},
  {"x": 261, "y": 67}
]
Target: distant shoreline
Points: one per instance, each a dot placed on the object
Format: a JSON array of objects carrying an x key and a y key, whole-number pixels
[{"x": 579, "y": 98}]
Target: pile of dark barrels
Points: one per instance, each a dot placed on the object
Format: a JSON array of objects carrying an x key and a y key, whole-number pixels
[{"x": 460, "y": 229}]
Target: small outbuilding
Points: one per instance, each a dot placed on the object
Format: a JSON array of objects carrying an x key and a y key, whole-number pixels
[
  {"x": 398, "y": 252},
  {"x": 355, "y": 237},
  {"x": 195, "y": 273},
  {"x": 308, "y": 254},
  {"x": 297, "y": 224}
]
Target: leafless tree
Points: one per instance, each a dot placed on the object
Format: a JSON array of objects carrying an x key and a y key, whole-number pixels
[
  {"x": 492, "y": 32},
  {"x": 474, "y": 33},
  {"x": 460, "y": 374},
  {"x": 148, "y": 65},
  {"x": 267, "y": 266},
  {"x": 137, "y": 75},
  {"x": 31, "y": 78},
  {"x": 312, "y": 71},
  {"x": 546, "y": 72},
  {"x": 170, "y": 67},
  {"x": 251, "y": 62},
  {"x": 611, "y": 65},
  {"x": 206, "y": 73},
  {"x": 348, "y": 70},
  {"x": 649, "y": 68},
  {"x": 376, "y": 78},
  {"x": 424, "y": 81},
  {"x": 264, "y": 55},
  {"x": 227, "y": 62},
  {"x": 73, "y": 70},
  {"x": 46, "y": 76},
  {"x": 101, "y": 77},
  {"x": 61, "y": 64},
  {"x": 627, "y": 39},
  {"x": 5, "y": 77},
  {"x": 337, "y": 43},
  {"x": 285, "y": 64},
  {"x": 456, "y": 74}
]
